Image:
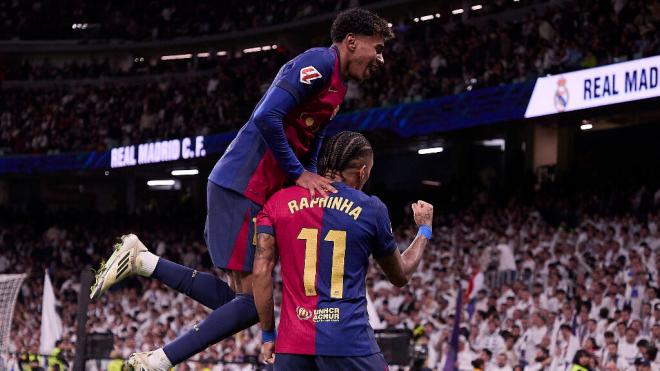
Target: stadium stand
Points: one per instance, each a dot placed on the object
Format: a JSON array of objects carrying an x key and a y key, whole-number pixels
[
  {"x": 590, "y": 268},
  {"x": 151, "y": 20},
  {"x": 427, "y": 59},
  {"x": 564, "y": 273}
]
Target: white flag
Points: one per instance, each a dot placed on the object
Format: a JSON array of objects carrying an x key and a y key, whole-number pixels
[{"x": 51, "y": 324}]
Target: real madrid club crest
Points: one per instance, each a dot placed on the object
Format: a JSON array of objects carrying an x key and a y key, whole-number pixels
[{"x": 561, "y": 95}]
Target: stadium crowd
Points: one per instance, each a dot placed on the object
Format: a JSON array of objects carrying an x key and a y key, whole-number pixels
[
  {"x": 425, "y": 60},
  {"x": 98, "y": 117},
  {"x": 151, "y": 20},
  {"x": 543, "y": 286}
]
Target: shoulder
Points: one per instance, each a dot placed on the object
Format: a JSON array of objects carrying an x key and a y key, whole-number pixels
[
  {"x": 325, "y": 56},
  {"x": 286, "y": 194},
  {"x": 315, "y": 61},
  {"x": 377, "y": 204}
]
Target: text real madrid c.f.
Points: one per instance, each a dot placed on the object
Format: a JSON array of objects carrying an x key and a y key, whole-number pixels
[{"x": 155, "y": 152}]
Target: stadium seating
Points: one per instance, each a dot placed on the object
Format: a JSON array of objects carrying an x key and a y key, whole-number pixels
[
  {"x": 427, "y": 59},
  {"x": 565, "y": 263},
  {"x": 150, "y": 20}
]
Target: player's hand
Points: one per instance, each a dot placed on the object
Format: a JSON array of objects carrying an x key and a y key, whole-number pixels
[
  {"x": 267, "y": 354},
  {"x": 315, "y": 183},
  {"x": 423, "y": 213}
]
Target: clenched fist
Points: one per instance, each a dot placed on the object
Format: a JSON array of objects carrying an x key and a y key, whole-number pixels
[{"x": 423, "y": 213}]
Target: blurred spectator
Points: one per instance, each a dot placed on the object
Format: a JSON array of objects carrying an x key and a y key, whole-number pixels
[
  {"x": 151, "y": 20},
  {"x": 209, "y": 95},
  {"x": 541, "y": 321}
]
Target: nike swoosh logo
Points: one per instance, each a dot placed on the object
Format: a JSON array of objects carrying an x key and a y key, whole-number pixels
[{"x": 332, "y": 90}]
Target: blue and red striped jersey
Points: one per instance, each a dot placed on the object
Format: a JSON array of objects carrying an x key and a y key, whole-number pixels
[
  {"x": 285, "y": 129},
  {"x": 324, "y": 246}
]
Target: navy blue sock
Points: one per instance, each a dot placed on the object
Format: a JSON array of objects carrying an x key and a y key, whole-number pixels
[
  {"x": 204, "y": 288},
  {"x": 237, "y": 315}
]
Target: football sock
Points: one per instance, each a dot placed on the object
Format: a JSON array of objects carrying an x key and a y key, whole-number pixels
[
  {"x": 158, "y": 359},
  {"x": 237, "y": 315},
  {"x": 146, "y": 263},
  {"x": 204, "y": 288}
]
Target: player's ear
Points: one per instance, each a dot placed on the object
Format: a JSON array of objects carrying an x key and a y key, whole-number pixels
[
  {"x": 351, "y": 42},
  {"x": 363, "y": 173}
]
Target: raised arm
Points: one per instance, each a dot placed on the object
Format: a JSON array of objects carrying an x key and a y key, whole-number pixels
[{"x": 399, "y": 267}]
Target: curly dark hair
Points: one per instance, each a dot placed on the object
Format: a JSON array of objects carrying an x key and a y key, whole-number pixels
[
  {"x": 360, "y": 22},
  {"x": 341, "y": 152}
]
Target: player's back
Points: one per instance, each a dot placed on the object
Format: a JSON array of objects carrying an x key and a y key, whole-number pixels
[{"x": 324, "y": 246}]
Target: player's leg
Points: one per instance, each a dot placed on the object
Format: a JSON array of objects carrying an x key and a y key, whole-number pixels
[
  {"x": 224, "y": 232},
  {"x": 286, "y": 362},
  {"x": 131, "y": 257},
  {"x": 228, "y": 219},
  {"x": 374, "y": 362},
  {"x": 235, "y": 254},
  {"x": 236, "y": 315}
]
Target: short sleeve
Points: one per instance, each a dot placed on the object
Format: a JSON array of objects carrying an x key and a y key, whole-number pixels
[
  {"x": 384, "y": 242},
  {"x": 306, "y": 74},
  {"x": 265, "y": 222}
]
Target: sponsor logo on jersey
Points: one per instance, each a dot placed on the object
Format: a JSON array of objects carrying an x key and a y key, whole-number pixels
[
  {"x": 318, "y": 315},
  {"x": 308, "y": 74}
]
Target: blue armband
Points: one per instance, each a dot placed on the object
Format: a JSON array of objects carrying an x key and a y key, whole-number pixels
[
  {"x": 268, "y": 336},
  {"x": 424, "y": 230}
]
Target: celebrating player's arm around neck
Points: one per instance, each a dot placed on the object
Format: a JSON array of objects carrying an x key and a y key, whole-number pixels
[{"x": 323, "y": 245}]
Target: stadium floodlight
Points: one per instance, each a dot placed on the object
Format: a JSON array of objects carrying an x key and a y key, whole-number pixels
[
  {"x": 427, "y": 151},
  {"x": 389, "y": 25},
  {"x": 252, "y": 50},
  {"x": 266, "y": 47},
  {"x": 416, "y": 19},
  {"x": 274, "y": 46},
  {"x": 586, "y": 127},
  {"x": 437, "y": 15},
  {"x": 494, "y": 143},
  {"x": 184, "y": 172},
  {"x": 457, "y": 11},
  {"x": 476, "y": 7},
  {"x": 426, "y": 17},
  {"x": 175, "y": 57},
  {"x": 161, "y": 183},
  {"x": 203, "y": 55},
  {"x": 432, "y": 183},
  {"x": 221, "y": 53}
]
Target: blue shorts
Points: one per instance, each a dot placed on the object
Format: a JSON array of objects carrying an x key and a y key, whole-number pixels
[
  {"x": 290, "y": 362},
  {"x": 229, "y": 231}
]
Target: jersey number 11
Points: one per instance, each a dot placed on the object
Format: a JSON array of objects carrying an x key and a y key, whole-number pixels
[{"x": 338, "y": 238}]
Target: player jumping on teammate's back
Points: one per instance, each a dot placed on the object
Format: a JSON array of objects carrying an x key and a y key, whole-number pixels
[
  {"x": 278, "y": 145},
  {"x": 324, "y": 244}
]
